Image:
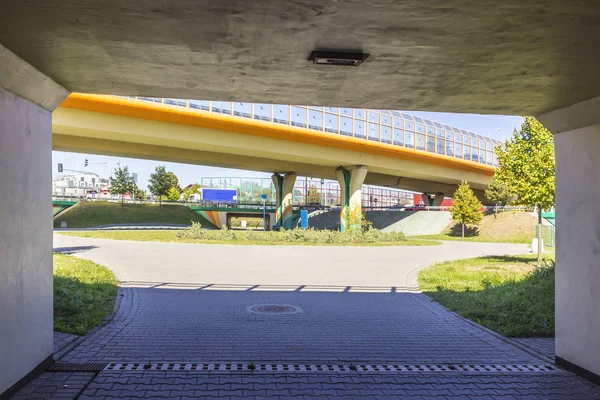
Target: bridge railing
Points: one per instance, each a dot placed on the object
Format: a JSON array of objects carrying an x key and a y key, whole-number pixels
[{"x": 391, "y": 127}]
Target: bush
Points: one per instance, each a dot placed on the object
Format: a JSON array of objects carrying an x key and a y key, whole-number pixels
[
  {"x": 193, "y": 231},
  {"x": 370, "y": 235}
]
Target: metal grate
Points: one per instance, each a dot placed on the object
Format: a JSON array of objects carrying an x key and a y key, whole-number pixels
[
  {"x": 340, "y": 367},
  {"x": 77, "y": 367}
]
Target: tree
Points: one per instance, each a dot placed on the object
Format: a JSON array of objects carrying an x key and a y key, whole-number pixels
[
  {"x": 466, "y": 208},
  {"x": 160, "y": 183},
  {"x": 173, "y": 194},
  {"x": 527, "y": 167},
  {"x": 121, "y": 183},
  {"x": 313, "y": 195},
  {"x": 137, "y": 193},
  {"x": 194, "y": 188},
  {"x": 174, "y": 181},
  {"x": 497, "y": 192}
]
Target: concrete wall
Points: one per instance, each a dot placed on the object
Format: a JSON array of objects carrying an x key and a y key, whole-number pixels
[
  {"x": 25, "y": 238},
  {"x": 412, "y": 223},
  {"x": 578, "y": 247}
]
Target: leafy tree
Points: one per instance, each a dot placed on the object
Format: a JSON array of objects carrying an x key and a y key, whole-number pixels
[
  {"x": 466, "y": 208},
  {"x": 497, "y": 192},
  {"x": 527, "y": 167},
  {"x": 313, "y": 195},
  {"x": 137, "y": 193},
  {"x": 174, "y": 181},
  {"x": 173, "y": 194},
  {"x": 121, "y": 183},
  {"x": 160, "y": 183},
  {"x": 191, "y": 189}
]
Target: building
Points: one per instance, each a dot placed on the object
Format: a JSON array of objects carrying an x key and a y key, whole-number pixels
[{"x": 78, "y": 184}]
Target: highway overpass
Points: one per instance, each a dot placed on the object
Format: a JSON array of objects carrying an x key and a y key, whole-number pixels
[{"x": 395, "y": 149}]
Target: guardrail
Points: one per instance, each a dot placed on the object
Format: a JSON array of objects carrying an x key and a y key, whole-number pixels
[{"x": 270, "y": 204}]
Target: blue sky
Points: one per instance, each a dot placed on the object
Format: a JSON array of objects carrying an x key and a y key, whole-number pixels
[{"x": 496, "y": 126}]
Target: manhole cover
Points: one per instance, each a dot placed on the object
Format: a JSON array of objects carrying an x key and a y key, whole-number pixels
[{"x": 273, "y": 309}]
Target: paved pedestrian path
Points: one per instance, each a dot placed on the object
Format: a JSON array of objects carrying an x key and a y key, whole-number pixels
[
  {"x": 182, "y": 303},
  {"x": 62, "y": 340}
]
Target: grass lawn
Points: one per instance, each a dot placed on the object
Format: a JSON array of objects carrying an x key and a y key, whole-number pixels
[
  {"x": 507, "y": 294},
  {"x": 84, "y": 294},
  {"x": 90, "y": 214},
  {"x": 171, "y": 236},
  {"x": 504, "y": 227}
]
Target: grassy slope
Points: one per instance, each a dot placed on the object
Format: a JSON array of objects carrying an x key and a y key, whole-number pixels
[
  {"x": 504, "y": 227},
  {"x": 171, "y": 236},
  {"x": 507, "y": 294},
  {"x": 84, "y": 294},
  {"x": 87, "y": 215}
]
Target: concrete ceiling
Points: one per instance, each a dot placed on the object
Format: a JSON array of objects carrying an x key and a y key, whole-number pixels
[{"x": 486, "y": 56}]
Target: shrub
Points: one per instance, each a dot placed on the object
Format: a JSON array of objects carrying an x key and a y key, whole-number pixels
[
  {"x": 357, "y": 221},
  {"x": 311, "y": 235},
  {"x": 193, "y": 231}
]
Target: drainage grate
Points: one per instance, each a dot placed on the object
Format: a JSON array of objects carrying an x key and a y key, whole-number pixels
[
  {"x": 77, "y": 367},
  {"x": 341, "y": 367}
]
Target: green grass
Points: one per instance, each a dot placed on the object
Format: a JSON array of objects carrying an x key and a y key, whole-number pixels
[
  {"x": 507, "y": 294},
  {"x": 91, "y": 214},
  {"x": 84, "y": 294},
  {"x": 171, "y": 236},
  {"x": 504, "y": 227}
]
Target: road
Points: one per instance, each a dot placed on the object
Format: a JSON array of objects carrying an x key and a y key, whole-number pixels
[{"x": 343, "y": 266}]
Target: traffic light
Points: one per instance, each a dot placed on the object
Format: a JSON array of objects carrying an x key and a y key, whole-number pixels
[
  {"x": 60, "y": 167},
  {"x": 86, "y": 162}
]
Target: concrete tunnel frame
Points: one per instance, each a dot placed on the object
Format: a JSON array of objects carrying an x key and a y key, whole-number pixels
[{"x": 569, "y": 107}]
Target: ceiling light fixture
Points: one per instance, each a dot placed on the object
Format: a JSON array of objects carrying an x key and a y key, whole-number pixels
[{"x": 347, "y": 59}]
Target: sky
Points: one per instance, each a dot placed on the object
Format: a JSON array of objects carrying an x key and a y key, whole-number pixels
[{"x": 496, "y": 126}]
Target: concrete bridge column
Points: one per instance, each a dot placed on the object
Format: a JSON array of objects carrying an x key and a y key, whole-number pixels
[
  {"x": 433, "y": 199},
  {"x": 26, "y": 340},
  {"x": 577, "y": 144},
  {"x": 284, "y": 186},
  {"x": 351, "y": 180}
]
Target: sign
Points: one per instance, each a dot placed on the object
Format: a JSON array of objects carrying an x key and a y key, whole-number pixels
[
  {"x": 263, "y": 196},
  {"x": 219, "y": 195}
]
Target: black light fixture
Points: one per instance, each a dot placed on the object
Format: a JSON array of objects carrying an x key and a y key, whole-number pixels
[{"x": 348, "y": 59}]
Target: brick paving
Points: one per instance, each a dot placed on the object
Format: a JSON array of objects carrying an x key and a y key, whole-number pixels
[
  {"x": 55, "y": 386},
  {"x": 62, "y": 340},
  {"x": 544, "y": 346},
  {"x": 345, "y": 316},
  {"x": 188, "y": 385},
  {"x": 197, "y": 324}
]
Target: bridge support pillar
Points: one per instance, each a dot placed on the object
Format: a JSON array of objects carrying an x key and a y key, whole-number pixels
[
  {"x": 577, "y": 145},
  {"x": 27, "y": 99},
  {"x": 351, "y": 180},
  {"x": 284, "y": 186},
  {"x": 433, "y": 199}
]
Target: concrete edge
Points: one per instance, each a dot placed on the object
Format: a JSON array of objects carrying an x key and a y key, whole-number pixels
[
  {"x": 24, "y": 80},
  {"x": 31, "y": 375},
  {"x": 576, "y": 369}
]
